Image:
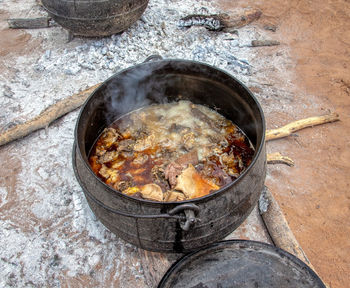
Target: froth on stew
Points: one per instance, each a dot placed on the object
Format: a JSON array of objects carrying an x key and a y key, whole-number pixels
[{"x": 171, "y": 152}]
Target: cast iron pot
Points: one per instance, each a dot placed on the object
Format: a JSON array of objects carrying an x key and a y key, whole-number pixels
[
  {"x": 95, "y": 18},
  {"x": 172, "y": 226}
]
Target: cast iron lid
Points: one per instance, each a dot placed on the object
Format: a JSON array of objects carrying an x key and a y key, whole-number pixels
[{"x": 240, "y": 263}]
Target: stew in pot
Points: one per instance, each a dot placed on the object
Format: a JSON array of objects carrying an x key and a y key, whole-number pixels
[{"x": 171, "y": 152}]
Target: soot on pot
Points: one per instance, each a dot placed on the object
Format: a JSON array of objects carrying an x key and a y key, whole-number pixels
[{"x": 171, "y": 152}]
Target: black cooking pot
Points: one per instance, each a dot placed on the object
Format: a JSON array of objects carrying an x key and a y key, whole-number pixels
[
  {"x": 171, "y": 226},
  {"x": 95, "y": 18}
]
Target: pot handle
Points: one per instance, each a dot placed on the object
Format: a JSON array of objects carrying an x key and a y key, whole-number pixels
[
  {"x": 190, "y": 210},
  {"x": 153, "y": 57}
]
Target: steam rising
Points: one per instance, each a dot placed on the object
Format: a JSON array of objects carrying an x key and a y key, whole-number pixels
[
  {"x": 133, "y": 89},
  {"x": 162, "y": 82}
]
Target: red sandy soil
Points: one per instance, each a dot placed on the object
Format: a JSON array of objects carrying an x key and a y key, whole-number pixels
[
  {"x": 315, "y": 194},
  {"x": 13, "y": 42}
]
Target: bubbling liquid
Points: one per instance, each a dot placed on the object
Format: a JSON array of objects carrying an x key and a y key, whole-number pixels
[{"x": 171, "y": 152}]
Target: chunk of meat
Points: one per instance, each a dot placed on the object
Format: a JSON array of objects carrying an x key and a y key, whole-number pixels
[
  {"x": 158, "y": 177},
  {"x": 177, "y": 128},
  {"x": 142, "y": 132},
  {"x": 233, "y": 172},
  {"x": 140, "y": 160},
  {"x": 193, "y": 185},
  {"x": 126, "y": 145},
  {"x": 131, "y": 190},
  {"x": 228, "y": 159},
  {"x": 152, "y": 192},
  {"x": 204, "y": 118},
  {"x": 108, "y": 137},
  {"x": 145, "y": 143},
  {"x": 214, "y": 173},
  {"x": 188, "y": 158},
  {"x": 189, "y": 140},
  {"x": 111, "y": 175},
  {"x": 100, "y": 150},
  {"x": 175, "y": 168},
  {"x": 173, "y": 196},
  {"x": 108, "y": 157},
  {"x": 222, "y": 178},
  {"x": 172, "y": 171},
  {"x": 157, "y": 172},
  {"x": 122, "y": 185},
  {"x": 117, "y": 163},
  {"x": 218, "y": 139}
]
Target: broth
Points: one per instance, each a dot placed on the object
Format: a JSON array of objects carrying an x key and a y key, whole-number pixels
[{"x": 171, "y": 152}]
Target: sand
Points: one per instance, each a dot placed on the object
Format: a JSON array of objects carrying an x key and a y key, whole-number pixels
[{"x": 315, "y": 194}]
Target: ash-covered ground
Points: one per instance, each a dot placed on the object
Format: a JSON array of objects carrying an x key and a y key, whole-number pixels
[{"x": 48, "y": 235}]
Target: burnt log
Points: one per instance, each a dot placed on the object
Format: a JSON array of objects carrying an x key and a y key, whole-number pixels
[
  {"x": 29, "y": 23},
  {"x": 261, "y": 43},
  {"x": 222, "y": 21}
]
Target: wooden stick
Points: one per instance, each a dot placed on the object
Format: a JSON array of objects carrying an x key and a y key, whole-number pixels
[
  {"x": 29, "y": 23},
  {"x": 300, "y": 124},
  {"x": 277, "y": 158},
  {"x": 47, "y": 116},
  {"x": 279, "y": 230},
  {"x": 240, "y": 17},
  {"x": 218, "y": 22},
  {"x": 260, "y": 43}
]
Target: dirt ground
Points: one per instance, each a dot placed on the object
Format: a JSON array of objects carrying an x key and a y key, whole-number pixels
[{"x": 315, "y": 194}]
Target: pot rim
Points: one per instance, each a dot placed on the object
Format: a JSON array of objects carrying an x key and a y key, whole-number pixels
[{"x": 196, "y": 200}]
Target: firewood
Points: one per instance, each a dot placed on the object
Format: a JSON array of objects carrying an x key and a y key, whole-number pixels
[
  {"x": 218, "y": 22},
  {"x": 277, "y": 158},
  {"x": 260, "y": 43},
  {"x": 240, "y": 18},
  {"x": 277, "y": 225},
  {"x": 29, "y": 23},
  {"x": 300, "y": 124},
  {"x": 47, "y": 116},
  {"x": 279, "y": 230}
]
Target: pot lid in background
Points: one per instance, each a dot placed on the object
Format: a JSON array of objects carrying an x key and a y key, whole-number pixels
[{"x": 240, "y": 263}]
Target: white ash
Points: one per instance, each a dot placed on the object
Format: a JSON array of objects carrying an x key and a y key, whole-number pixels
[
  {"x": 47, "y": 230},
  {"x": 66, "y": 236},
  {"x": 62, "y": 69},
  {"x": 263, "y": 202}
]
